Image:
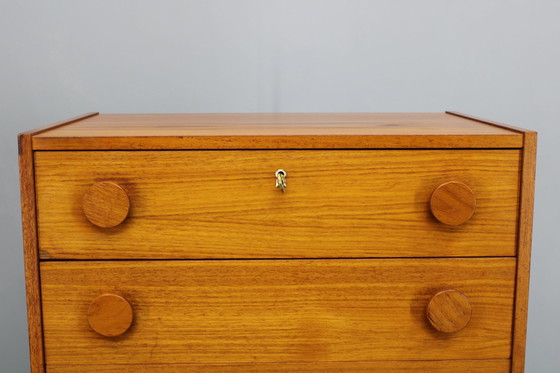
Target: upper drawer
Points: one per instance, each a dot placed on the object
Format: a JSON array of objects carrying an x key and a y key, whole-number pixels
[{"x": 224, "y": 204}]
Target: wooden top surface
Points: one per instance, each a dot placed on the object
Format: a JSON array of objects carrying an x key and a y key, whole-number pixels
[{"x": 275, "y": 131}]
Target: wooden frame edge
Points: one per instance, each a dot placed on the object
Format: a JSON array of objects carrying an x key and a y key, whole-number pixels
[
  {"x": 524, "y": 251},
  {"x": 31, "y": 255}
]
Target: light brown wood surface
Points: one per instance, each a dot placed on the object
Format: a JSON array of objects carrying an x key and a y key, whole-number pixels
[
  {"x": 105, "y": 204},
  {"x": 110, "y": 315},
  {"x": 524, "y": 251},
  {"x": 258, "y": 311},
  {"x": 276, "y": 131},
  {"x": 458, "y": 366},
  {"x": 224, "y": 204},
  {"x": 453, "y": 203},
  {"x": 449, "y": 311}
]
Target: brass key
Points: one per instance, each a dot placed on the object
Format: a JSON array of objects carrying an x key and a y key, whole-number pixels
[{"x": 281, "y": 179}]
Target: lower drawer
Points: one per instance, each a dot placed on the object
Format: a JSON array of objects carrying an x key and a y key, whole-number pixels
[
  {"x": 277, "y": 311},
  {"x": 457, "y": 366}
]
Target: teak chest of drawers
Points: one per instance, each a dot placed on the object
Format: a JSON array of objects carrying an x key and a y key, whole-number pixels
[{"x": 277, "y": 243}]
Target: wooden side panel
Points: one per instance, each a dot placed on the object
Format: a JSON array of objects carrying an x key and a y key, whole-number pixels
[
  {"x": 30, "y": 244},
  {"x": 264, "y": 311},
  {"x": 224, "y": 204},
  {"x": 524, "y": 237},
  {"x": 31, "y": 253},
  {"x": 524, "y": 251},
  {"x": 458, "y": 366}
]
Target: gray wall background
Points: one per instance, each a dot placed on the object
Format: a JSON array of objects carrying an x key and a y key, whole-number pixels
[{"x": 497, "y": 59}]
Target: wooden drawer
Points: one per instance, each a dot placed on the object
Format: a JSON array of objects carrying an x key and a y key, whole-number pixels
[
  {"x": 224, "y": 204},
  {"x": 278, "y": 311}
]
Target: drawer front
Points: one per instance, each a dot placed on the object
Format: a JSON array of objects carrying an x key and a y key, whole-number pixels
[
  {"x": 224, "y": 204},
  {"x": 457, "y": 366},
  {"x": 276, "y": 311}
]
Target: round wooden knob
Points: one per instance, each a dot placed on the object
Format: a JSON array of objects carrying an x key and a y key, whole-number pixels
[
  {"x": 106, "y": 204},
  {"x": 453, "y": 203},
  {"x": 449, "y": 311},
  {"x": 110, "y": 315}
]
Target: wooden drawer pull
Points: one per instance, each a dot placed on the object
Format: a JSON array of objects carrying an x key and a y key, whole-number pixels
[
  {"x": 449, "y": 311},
  {"x": 106, "y": 204},
  {"x": 453, "y": 203},
  {"x": 110, "y": 315}
]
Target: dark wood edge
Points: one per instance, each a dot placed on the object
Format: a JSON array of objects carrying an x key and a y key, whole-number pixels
[
  {"x": 51, "y": 126},
  {"x": 524, "y": 251},
  {"x": 489, "y": 122},
  {"x": 31, "y": 256}
]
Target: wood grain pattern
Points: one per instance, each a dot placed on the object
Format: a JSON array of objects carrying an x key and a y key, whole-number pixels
[
  {"x": 458, "y": 366},
  {"x": 453, "y": 203},
  {"x": 31, "y": 253},
  {"x": 276, "y": 131},
  {"x": 224, "y": 204},
  {"x": 105, "y": 204},
  {"x": 261, "y": 311},
  {"x": 449, "y": 311},
  {"x": 110, "y": 315},
  {"x": 524, "y": 251}
]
